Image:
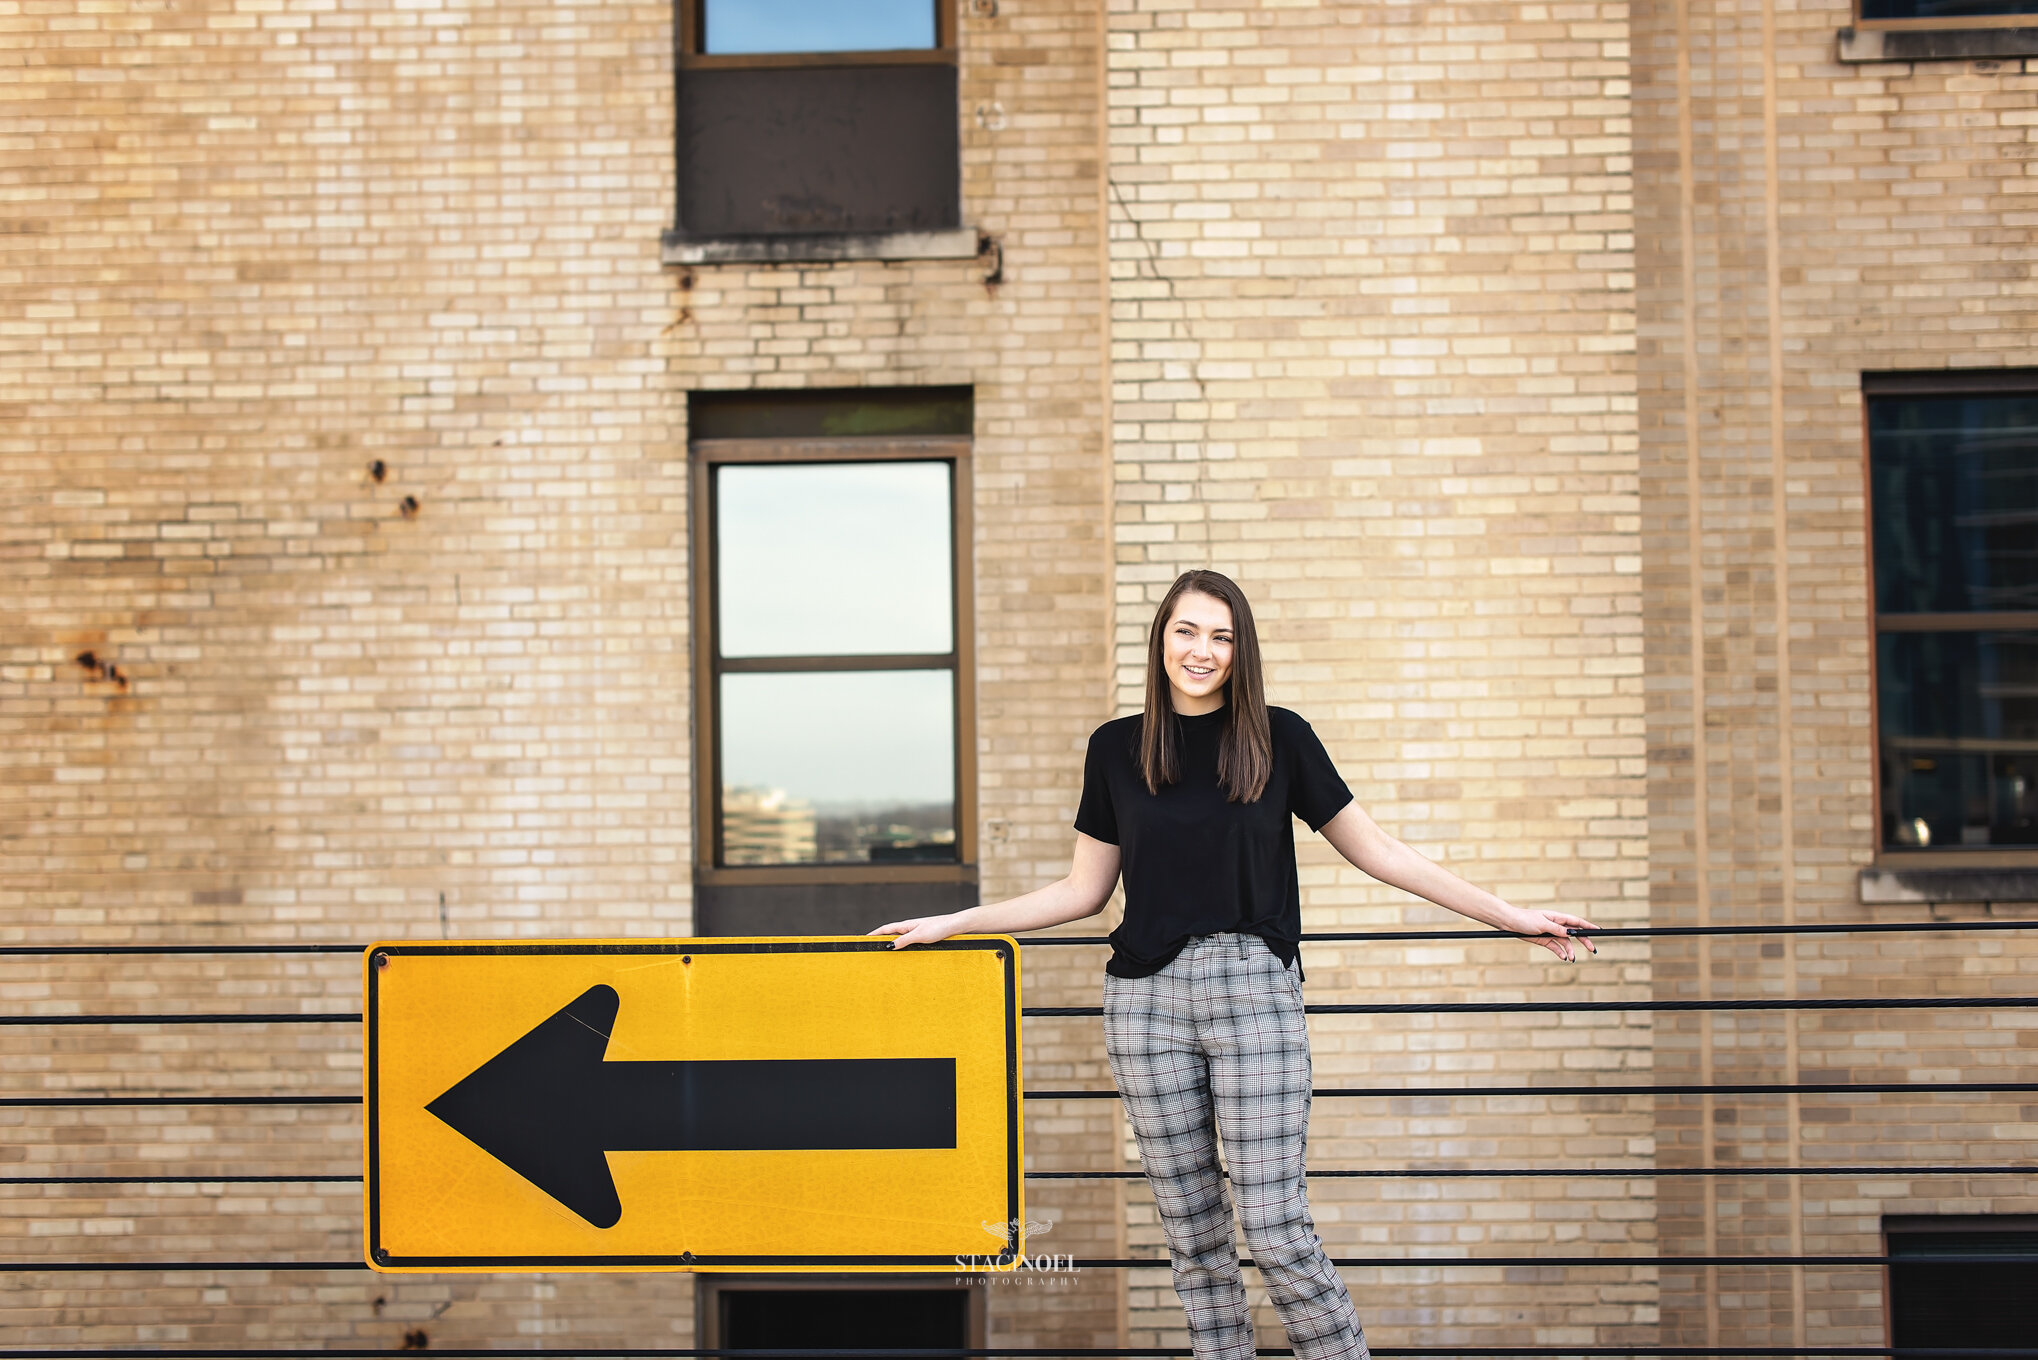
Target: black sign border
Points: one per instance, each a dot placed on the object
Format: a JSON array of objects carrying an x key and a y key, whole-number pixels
[{"x": 381, "y": 1259}]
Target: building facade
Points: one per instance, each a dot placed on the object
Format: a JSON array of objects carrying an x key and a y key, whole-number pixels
[{"x": 462, "y": 461}]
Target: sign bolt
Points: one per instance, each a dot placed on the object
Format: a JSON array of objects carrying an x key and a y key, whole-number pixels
[{"x": 381, "y": 958}]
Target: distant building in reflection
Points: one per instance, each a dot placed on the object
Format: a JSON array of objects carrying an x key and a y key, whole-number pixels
[
  {"x": 766, "y": 826},
  {"x": 887, "y": 833}
]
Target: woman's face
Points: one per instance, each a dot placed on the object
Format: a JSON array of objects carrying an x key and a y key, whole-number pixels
[{"x": 1196, "y": 650}]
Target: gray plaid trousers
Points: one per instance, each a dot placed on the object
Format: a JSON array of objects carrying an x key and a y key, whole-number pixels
[{"x": 1215, "y": 1045}]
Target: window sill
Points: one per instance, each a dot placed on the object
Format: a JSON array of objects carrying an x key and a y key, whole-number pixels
[
  {"x": 1860, "y": 45},
  {"x": 1890, "y": 886},
  {"x": 962, "y": 243}
]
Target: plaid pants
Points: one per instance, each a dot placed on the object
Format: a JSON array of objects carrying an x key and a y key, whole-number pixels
[{"x": 1215, "y": 1045}]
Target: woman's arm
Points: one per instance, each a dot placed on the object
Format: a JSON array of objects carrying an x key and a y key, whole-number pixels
[
  {"x": 1083, "y": 893},
  {"x": 1359, "y": 839}
]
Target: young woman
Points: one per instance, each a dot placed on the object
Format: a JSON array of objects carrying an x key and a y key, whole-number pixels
[{"x": 1192, "y": 802}]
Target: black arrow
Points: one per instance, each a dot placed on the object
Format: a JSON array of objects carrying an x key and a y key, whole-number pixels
[{"x": 548, "y": 1107}]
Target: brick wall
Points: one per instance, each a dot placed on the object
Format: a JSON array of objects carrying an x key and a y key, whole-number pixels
[
  {"x": 1372, "y": 334},
  {"x": 250, "y": 250},
  {"x": 1350, "y": 302},
  {"x": 1801, "y": 222}
]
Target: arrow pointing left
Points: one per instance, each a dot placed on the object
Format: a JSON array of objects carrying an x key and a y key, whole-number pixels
[{"x": 550, "y": 1107}]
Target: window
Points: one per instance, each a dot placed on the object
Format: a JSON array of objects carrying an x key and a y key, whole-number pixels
[
  {"x": 1945, "y": 11},
  {"x": 1938, "y": 1303},
  {"x": 1953, "y": 465},
  {"x": 1941, "y": 30},
  {"x": 800, "y": 118},
  {"x": 832, "y": 539},
  {"x": 817, "y": 1313}
]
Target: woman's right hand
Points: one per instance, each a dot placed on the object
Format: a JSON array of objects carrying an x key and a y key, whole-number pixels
[{"x": 921, "y": 929}]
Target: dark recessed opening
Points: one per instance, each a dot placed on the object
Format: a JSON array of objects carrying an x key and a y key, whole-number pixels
[
  {"x": 831, "y": 413},
  {"x": 1936, "y": 1303},
  {"x": 856, "y": 1319}
]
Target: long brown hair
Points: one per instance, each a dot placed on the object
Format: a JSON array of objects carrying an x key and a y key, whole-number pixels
[{"x": 1245, "y": 754}]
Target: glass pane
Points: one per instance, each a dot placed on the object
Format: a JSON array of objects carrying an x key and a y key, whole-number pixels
[
  {"x": 1959, "y": 719},
  {"x": 838, "y": 767},
  {"x": 735, "y": 26},
  {"x": 1955, "y": 482},
  {"x": 1943, "y": 9},
  {"x": 833, "y": 559}
]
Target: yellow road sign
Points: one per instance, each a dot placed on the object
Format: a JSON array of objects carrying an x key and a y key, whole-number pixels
[{"x": 721, "y": 1104}]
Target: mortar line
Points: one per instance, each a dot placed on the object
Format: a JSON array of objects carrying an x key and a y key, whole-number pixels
[
  {"x": 1779, "y": 515},
  {"x": 1701, "y": 793}
]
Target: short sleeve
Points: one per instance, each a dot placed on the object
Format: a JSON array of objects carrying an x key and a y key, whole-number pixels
[
  {"x": 1096, "y": 816},
  {"x": 1316, "y": 792}
]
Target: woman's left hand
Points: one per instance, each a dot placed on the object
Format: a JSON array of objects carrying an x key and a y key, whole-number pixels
[{"x": 1554, "y": 931}]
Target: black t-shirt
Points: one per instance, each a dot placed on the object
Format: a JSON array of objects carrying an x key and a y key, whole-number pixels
[{"x": 1193, "y": 863}]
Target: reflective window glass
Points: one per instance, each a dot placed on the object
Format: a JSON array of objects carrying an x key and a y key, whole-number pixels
[
  {"x": 753, "y": 26},
  {"x": 833, "y": 559},
  {"x": 838, "y": 766},
  {"x": 1959, "y": 739},
  {"x": 1955, "y": 490},
  {"x": 1954, "y": 507}
]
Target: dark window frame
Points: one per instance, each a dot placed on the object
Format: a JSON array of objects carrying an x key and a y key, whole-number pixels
[
  {"x": 689, "y": 34},
  {"x": 1940, "y": 23},
  {"x": 1929, "y": 383},
  {"x": 710, "y": 665}
]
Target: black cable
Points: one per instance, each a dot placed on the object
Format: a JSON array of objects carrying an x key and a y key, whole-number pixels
[
  {"x": 1605, "y": 1172},
  {"x": 1398, "y": 1173},
  {"x": 1614, "y": 933},
  {"x": 1507, "y": 1007},
  {"x": 116, "y": 949},
  {"x": 1161, "y": 1263},
  {"x": 1806, "y": 1088},
  {"x": 1329, "y": 1008},
  {"x": 1810, "y": 1088},
  {"x": 1026, "y": 1353},
  {"x": 1319, "y": 937},
  {"x": 1327, "y": 1173},
  {"x": 355, "y": 1179},
  {"x": 194, "y": 1099},
  {"x": 195, "y": 1018}
]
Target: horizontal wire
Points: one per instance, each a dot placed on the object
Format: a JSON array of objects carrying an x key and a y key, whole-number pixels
[
  {"x": 19, "y": 950},
  {"x": 353, "y": 1179},
  {"x": 1326, "y": 1008},
  {"x": 1803, "y": 1088},
  {"x": 1606, "y": 1172},
  {"x": 1028, "y": 1353},
  {"x": 1316, "y": 937},
  {"x": 1396, "y": 1173},
  {"x": 195, "y": 1018},
  {"x": 1611, "y": 933},
  {"x": 29, "y": 1267},
  {"x": 1806, "y": 1088},
  {"x": 196, "y": 1098},
  {"x": 1504, "y": 1007}
]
